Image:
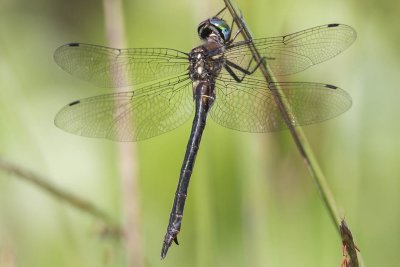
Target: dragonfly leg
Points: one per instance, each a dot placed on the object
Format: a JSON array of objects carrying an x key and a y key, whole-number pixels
[
  {"x": 233, "y": 22},
  {"x": 233, "y": 74},
  {"x": 236, "y": 34},
  {"x": 246, "y": 71},
  {"x": 222, "y": 10}
]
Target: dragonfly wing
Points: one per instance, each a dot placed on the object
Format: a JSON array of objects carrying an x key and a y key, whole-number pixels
[
  {"x": 130, "y": 116},
  {"x": 251, "y": 107},
  {"x": 296, "y": 52},
  {"x": 111, "y": 67}
]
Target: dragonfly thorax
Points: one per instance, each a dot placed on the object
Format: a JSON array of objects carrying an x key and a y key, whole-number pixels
[{"x": 205, "y": 62}]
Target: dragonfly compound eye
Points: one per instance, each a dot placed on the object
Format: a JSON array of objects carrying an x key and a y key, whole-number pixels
[{"x": 214, "y": 26}]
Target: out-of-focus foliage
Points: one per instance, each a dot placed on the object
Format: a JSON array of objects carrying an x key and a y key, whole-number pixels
[{"x": 251, "y": 201}]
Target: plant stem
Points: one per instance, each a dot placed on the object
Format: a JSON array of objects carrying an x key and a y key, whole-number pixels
[
  {"x": 57, "y": 192},
  {"x": 297, "y": 134}
]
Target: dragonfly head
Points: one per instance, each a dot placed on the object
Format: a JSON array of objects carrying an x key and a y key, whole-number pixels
[{"x": 214, "y": 26}]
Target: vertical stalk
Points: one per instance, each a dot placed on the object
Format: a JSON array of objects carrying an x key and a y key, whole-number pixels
[
  {"x": 297, "y": 134},
  {"x": 126, "y": 151}
]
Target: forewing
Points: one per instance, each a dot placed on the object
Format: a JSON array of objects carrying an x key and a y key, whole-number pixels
[
  {"x": 251, "y": 107},
  {"x": 130, "y": 116},
  {"x": 295, "y": 52},
  {"x": 110, "y": 67}
]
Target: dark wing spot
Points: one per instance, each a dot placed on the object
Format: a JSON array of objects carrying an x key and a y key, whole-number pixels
[
  {"x": 73, "y": 44},
  {"x": 330, "y": 86},
  {"x": 74, "y": 103},
  {"x": 333, "y": 25}
]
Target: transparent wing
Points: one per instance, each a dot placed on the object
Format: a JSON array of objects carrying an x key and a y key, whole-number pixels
[
  {"x": 250, "y": 106},
  {"x": 110, "y": 67},
  {"x": 130, "y": 116},
  {"x": 295, "y": 52}
]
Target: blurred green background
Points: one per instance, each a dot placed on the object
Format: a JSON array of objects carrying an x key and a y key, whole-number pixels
[{"x": 251, "y": 200}]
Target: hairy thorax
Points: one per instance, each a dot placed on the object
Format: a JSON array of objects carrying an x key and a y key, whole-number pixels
[{"x": 206, "y": 62}]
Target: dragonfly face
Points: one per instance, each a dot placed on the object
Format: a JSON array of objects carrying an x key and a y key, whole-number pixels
[
  {"x": 214, "y": 28},
  {"x": 219, "y": 78}
]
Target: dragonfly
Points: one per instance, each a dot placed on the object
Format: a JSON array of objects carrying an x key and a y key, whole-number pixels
[{"x": 220, "y": 78}]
